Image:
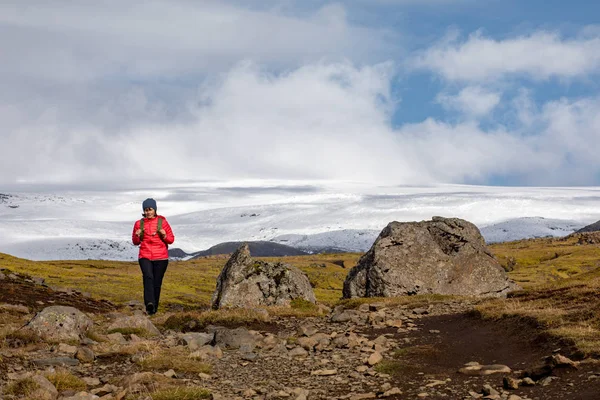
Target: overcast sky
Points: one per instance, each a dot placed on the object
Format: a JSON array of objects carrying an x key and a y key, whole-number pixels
[{"x": 495, "y": 92}]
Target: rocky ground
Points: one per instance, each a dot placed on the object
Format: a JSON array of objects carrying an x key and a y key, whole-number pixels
[{"x": 442, "y": 351}]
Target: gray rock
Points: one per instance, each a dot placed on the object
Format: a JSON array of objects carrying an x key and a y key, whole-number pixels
[
  {"x": 234, "y": 338},
  {"x": 249, "y": 356},
  {"x": 60, "y": 323},
  {"x": 116, "y": 337},
  {"x": 245, "y": 282},
  {"x": 298, "y": 352},
  {"x": 85, "y": 355},
  {"x": 91, "y": 381},
  {"x": 443, "y": 256},
  {"x": 307, "y": 329},
  {"x": 195, "y": 340},
  {"x": 67, "y": 349},
  {"x": 483, "y": 370},
  {"x": 135, "y": 322},
  {"x": 38, "y": 280},
  {"x": 46, "y": 390}
]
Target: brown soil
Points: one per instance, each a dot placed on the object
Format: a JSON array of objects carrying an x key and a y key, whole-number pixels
[
  {"x": 463, "y": 338},
  {"x": 36, "y": 297}
]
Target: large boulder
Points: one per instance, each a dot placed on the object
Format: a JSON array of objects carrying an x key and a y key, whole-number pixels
[
  {"x": 60, "y": 323},
  {"x": 443, "y": 256},
  {"x": 245, "y": 282}
]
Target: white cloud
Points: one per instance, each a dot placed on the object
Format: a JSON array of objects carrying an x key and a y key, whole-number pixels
[
  {"x": 539, "y": 56},
  {"x": 71, "y": 42},
  {"x": 555, "y": 145},
  {"x": 320, "y": 121},
  {"x": 317, "y": 121},
  {"x": 473, "y": 101}
]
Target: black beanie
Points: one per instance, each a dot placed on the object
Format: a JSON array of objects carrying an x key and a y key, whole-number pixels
[{"x": 149, "y": 203}]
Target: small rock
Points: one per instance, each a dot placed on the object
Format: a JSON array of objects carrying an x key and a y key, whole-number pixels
[
  {"x": 561, "y": 361},
  {"x": 435, "y": 383},
  {"x": 117, "y": 337},
  {"x": 527, "y": 382},
  {"x": 485, "y": 369},
  {"x": 374, "y": 358},
  {"x": 170, "y": 374},
  {"x": 249, "y": 356},
  {"x": 85, "y": 355},
  {"x": 393, "y": 391},
  {"x": 298, "y": 352},
  {"x": 324, "y": 372},
  {"x": 547, "y": 380},
  {"x": 488, "y": 390},
  {"x": 307, "y": 329},
  {"x": 91, "y": 381},
  {"x": 510, "y": 383}
]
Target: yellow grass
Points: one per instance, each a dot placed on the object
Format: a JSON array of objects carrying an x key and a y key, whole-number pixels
[
  {"x": 22, "y": 387},
  {"x": 176, "y": 359},
  {"x": 64, "y": 380},
  {"x": 561, "y": 280},
  {"x": 187, "y": 284}
]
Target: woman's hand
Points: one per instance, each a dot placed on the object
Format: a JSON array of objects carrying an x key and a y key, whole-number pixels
[
  {"x": 162, "y": 233},
  {"x": 138, "y": 232}
]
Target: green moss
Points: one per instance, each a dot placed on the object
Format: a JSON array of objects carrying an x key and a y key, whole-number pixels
[{"x": 303, "y": 305}]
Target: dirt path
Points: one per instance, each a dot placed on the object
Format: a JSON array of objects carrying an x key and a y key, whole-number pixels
[{"x": 445, "y": 343}]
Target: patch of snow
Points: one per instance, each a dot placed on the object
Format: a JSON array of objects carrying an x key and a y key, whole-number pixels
[{"x": 529, "y": 228}]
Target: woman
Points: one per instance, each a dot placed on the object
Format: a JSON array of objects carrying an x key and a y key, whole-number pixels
[{"x": 154, "y": 235}]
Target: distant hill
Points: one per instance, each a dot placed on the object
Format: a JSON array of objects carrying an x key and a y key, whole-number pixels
[
  {"x": 257, "y": 249},
  {"x": 590, "y": 228}
]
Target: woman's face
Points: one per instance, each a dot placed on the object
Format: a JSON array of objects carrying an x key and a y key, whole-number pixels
[{"x": 149, "y": 212}]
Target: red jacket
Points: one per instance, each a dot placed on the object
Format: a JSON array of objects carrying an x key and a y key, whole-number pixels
[{"x": 152, "y": 246}]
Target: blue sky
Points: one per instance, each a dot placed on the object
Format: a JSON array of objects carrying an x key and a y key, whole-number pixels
[{"x": 391, "y": 91}]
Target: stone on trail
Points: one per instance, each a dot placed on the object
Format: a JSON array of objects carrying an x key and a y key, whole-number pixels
[
  {"x": 475, "y": 369},
  {"x": 324, "y": 372},
  {"x": 374, "y": 358},
  {"x": 140, "y": 322},
  {"x": 245, "y": 282},
  {"x": 46, "y": 390},
  {"x": 60, "y": 323}
]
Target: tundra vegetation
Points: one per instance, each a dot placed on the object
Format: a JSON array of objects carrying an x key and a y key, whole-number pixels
[{"x": 560, "y": 277}]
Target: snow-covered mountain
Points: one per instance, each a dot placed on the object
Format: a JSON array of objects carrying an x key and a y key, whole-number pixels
[
  {"x": 528, "y": 228},
  {"x": 67, "y": 224},
  {"x": 347, "y": 240}
]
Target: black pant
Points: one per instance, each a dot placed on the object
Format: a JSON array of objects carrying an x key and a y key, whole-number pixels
[{"x": 153, "y": 272}]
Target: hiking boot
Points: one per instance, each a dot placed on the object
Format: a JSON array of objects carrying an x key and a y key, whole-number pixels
[{"x": 150, "y": 309}]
